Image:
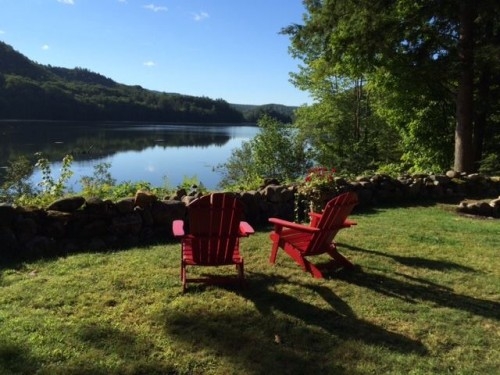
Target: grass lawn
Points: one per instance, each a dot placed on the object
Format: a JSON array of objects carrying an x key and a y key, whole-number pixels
[{"x": 423, "y": 299}]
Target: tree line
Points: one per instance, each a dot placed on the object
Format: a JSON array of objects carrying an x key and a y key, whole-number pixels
[{"x": 32, "y": 91}]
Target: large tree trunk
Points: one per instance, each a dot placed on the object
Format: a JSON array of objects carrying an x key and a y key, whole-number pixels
[
  {"x": 482, "y": 109},
  {"x": 464, "y": 153}
]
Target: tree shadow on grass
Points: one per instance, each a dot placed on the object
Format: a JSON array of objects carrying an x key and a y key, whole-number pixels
[
  {"x": 103, "y": 345},
  {"x": 16, "y": 359},
  {"x": 415, "y": 290},
  {"x": 136, "y": 354},
  {"x": 437, "y": 265},
  {"x": 284, "y": 334}
]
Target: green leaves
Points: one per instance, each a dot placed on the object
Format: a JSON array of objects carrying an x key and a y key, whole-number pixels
[
  {"x": 410, "y": 56},
  {"x": 276, "y": 152}
]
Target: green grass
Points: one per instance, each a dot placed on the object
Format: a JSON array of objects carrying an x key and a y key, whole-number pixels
[{"x": 424, "y": 299}]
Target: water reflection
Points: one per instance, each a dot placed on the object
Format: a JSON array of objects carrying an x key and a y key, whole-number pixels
[{"x": 136, "y": 152}]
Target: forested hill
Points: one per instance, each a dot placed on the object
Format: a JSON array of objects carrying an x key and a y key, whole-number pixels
[{"x": 29, "y": 90}]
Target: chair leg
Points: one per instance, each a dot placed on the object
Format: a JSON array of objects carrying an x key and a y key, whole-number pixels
[
  {"x": 308, "y": 266},
  {"x": 303, "y": 262},
  {"x": 313, "y": 270},
  {"x": 339, "y": 258},
  {"x": 183, "y": 277},
  {"x": 274, "y": 249}
]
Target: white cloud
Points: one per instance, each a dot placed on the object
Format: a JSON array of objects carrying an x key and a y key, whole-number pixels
[
  {"x": 200, "y": 16},
  {"x": 149, "y": 64},
  {"x": 69, "y": 2},
  {"x": 45, "y": 47},
  {"x": 156, "y": 8},
  {"x": 2, "y": 32}
]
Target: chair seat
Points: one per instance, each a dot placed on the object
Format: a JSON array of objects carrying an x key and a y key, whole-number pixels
[{"x": 187, "y": 257}]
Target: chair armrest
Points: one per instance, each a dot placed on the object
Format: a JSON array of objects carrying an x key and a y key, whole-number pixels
[
  {"x": 279, "y": 223},
  {"x": 315, "y": 214},
  {"x": 178, "y": 228},
  {"x": 315, "y": 217},
  {"x": 246, "y": 229}
]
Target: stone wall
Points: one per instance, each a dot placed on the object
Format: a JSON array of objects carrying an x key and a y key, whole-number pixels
[{"x": 77, "y": 224}]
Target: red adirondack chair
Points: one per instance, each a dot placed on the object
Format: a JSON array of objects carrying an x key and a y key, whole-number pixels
[
  {"x": 301, "y": 241},
  {"x": 213, "y": 236}
]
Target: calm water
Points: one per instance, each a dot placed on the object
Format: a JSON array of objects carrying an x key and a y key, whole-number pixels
[{"x": 158, "y": 154}]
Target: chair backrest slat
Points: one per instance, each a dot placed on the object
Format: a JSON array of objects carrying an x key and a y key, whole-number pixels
[
  {"x": 214, "y": 228},
  {"x": 334, "y": 214}
]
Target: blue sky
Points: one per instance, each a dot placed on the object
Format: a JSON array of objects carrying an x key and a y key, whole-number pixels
[{"x": 229, "y": 49}]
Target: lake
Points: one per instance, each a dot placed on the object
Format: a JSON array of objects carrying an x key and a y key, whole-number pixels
[{"x": 157, "y": 153}]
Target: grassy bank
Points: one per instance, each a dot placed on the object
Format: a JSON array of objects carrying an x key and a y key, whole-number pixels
[{"x": 424, "y": 299}]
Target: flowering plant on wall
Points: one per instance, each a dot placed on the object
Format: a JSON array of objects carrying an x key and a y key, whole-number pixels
[{"x": 318, "y": 187}]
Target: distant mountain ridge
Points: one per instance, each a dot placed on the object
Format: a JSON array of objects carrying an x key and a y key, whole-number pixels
[{"x": 33, "y": 91}]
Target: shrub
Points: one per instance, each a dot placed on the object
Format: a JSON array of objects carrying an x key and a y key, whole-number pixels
[{"x": 276, "y": 152}]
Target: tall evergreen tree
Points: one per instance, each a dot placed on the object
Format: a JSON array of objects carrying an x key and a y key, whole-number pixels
[{"x": 420, "y": 59}]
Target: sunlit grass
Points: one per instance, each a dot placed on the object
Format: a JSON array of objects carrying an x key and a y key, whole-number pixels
[{"x": 424, "y": 299}]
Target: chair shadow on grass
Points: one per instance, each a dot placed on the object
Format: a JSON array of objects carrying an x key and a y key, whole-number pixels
[
  {"x": 338, "y": 319},
  {"x": 283, "y": 329},
  {"x": 413, "y": 289}
]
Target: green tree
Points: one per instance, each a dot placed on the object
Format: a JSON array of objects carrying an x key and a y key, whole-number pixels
[
  {"x": 435, "y": 52},
  {"x": 17, "y": 178},
  {"x": 276, "y": 152},
  {"x": 343, "y": 132}
]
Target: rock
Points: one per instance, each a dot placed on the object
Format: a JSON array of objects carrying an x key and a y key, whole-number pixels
[
  {"x": 484, "y": 209},
  {"x": 440, "y": 179},
  {"x": 269, "y": 181},
  {"x": 495, "y": 203},
  {"x": 147, "y": 217},
  {"x": 415, "y": 189},
  {"x": 365, "y": 197},
  {"x": 187, "y": 199},
  {"x": 9, "y": 242},
  {"x": 165, "y": 212},
  {"x": 366, "y": 184},
  {"x": 125, "y": 205},
  {"x": 452, "y": 174},
  {"x": 273, "y": 193},
  {"x": 70, "y": 204},
  {"x": 94, "y": 229},
  {"x": 54, "y": 229},
  {"x": 418, "y": 176},
  {"x": 362, "y": 179},
  {"x": 97, "y": 244},
  {"x": 59, "y": 215},
  {"x": 475, "y": 177},
  {"x": 250, "y": 201},
  {"x": 39, "y": 247},
  {"x": 25, "y": 229},
  {"x": 477, "y": 208},
  {"x": 126, "y": 225},
  {"x": 97, "y": 206},
  {"x": 7, "y": 214},
  {"x": 144, "y": 199},
  {"x": 179, "y": 194}
]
